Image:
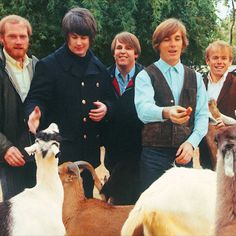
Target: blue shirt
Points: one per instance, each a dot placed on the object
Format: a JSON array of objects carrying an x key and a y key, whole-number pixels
[
  {"x": 124, "y": 82},
  {"x": 148, "y": 111}
]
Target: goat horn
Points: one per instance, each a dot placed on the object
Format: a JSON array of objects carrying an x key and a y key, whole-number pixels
[
  {"x": 88, "y": 166},
  {"x": 73, "y": 168}
]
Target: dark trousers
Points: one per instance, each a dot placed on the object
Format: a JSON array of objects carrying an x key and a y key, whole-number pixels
[
  {"x": 88, "y": 183},
  {"x": 15, "y": 179},
  {"x": 154, "y": 162}
]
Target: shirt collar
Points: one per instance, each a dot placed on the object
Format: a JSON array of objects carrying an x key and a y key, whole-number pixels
[
  {"x": 129, "y": 75},
  {"x": 165, "y": 66},
  {"x": 221, "y": 80},
  {"x": 15, "y": 63}
]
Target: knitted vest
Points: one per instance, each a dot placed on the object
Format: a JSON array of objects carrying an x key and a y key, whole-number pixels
[{"x": 168, "y": 134}]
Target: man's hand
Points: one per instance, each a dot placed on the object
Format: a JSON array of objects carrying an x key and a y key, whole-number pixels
[
  {"x": 176, "y": 114},
  {"x": 14, "y": 157},
  {"x": 98, "y": 113},
  {"x": 34, "y": 120},
  {"x": 184, "y": 153}
]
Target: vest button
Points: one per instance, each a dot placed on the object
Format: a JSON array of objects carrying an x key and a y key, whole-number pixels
[
  {"x": 83, "y": 101},
  {"x": 97, "y": 84},
  {"x": 82, "y": 83},
  {"x": 84, "y": 119},
  {"x": 85, "y": 136}
]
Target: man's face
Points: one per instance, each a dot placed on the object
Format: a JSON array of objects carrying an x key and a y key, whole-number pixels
[
  {"x": 78, "y": 44},
  {"x": 124, "y": 55},
  {"x": 171, "y": 48},
  {"x": 219, "y": 61},
  {"x": 16, "y": 40}
]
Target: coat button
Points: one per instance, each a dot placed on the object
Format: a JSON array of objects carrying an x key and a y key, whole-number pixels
[
  {"x": 82, "y": 83},
  {"x": 83, "y": 101},
  {"x": 97, "y": 84},
  {"x": 85, "y": 136},
  {"x": 172, "y": 101},
  {"x": 84, "y": 119}
]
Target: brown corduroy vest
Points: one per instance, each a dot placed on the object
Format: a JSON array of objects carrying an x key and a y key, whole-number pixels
[{"x": 168, "y": 134}]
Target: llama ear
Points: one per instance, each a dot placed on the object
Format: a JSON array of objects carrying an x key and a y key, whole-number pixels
[
  {"x": 55, "y": 149},
  {"x": 31, "y": 149}
]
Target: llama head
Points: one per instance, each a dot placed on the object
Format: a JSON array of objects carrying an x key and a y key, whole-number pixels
[
  {"x": 226, "y": 143},
  {"x": 46, "y": 142}
]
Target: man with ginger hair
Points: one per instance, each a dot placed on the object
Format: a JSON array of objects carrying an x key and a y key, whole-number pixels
[
  {"x": 17, "y": 169},
  {"x": 221, "y": 86},
  {"x": 164, "y": 91}
]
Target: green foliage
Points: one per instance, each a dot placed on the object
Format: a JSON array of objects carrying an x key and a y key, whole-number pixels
[{"x": 136, "y": 16}]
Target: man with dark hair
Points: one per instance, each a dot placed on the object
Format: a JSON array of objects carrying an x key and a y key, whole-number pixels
[
  {"x": 165, "y": 94},
  {"x": 17, "y": 169},
  {"x": 71, "y": 87}
]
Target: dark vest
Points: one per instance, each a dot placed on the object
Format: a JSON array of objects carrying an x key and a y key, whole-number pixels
[{"x": 168, "y": 134}]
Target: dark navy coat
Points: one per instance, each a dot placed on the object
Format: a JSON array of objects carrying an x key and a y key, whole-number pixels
[
  {"x": 65, "y": 96},
  {"x": 123, "y": 141}
]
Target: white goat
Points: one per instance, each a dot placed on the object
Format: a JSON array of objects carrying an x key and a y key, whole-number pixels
[
  {"x": 37, "y": 211},
  {"x": 181, "y": 202},
  {"x": 88, "y": 217}
]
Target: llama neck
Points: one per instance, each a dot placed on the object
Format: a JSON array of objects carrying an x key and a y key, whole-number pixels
[
  {"x": 47, "y": 175},
  {"x": 226, "y": 197}
]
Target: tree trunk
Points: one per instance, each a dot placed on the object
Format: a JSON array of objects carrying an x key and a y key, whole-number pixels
[{"x": 233, "y": 22}]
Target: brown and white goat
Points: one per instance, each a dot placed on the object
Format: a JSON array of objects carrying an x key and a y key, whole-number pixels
[{"x": 86, "y": 217}]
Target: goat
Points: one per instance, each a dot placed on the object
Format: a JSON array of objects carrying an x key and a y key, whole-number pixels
[
  {"x": 226, "y": 182},
  {"x": 86, "y": 217},
  {"x": 180, "y": 202},
  {"x": 38, "y": 210}
]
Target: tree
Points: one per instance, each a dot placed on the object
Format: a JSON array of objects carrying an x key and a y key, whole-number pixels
[{"x": 137, "y": 16}]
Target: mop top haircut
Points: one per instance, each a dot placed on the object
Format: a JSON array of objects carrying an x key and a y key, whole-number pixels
[
  {"x": 166, "y": 29},
  {"x": 80, "y": 21}
]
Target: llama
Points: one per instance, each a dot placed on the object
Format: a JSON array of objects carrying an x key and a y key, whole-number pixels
[
  {"x": 38, "y": 210},
  {"x": 226, "y": 182}
]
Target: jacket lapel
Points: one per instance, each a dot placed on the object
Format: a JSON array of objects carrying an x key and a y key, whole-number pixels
[{"x": 224, "y": 89}]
